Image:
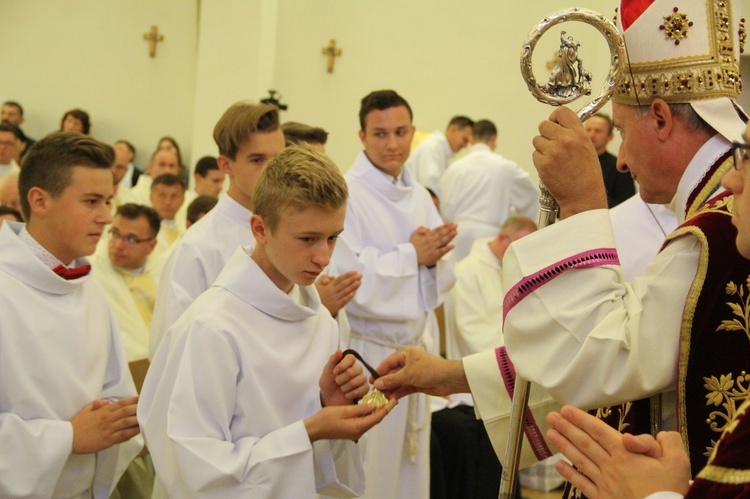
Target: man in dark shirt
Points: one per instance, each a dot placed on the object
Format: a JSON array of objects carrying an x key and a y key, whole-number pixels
[{"x": 619, "y": 185}]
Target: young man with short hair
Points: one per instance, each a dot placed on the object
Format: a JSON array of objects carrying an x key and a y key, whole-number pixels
[
  {"x": 248, "y": 136},
  {"x": 126, "y": 274},
  {"x": 396, "y": 239},
  {"x": 67, "y": 402},
  {"x": 10, "y": 149},
  {"x": 167, "y": 197},
  {"x": 430, "y": 158},
  {"x": 231, "y": 406}
]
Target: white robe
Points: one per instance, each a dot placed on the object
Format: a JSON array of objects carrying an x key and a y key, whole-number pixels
[
  {"x": 181, "y": 216},
  {"x": 196, "y": 261},
  {"x": 133, "y": 329},
  {"x": 429, "y": 160},
  {"x": 124, "y": 186},
  {"x": 140, "y": 193},
  {"x": 639, "y": 230},
  {"x": 223, "y": 404},
  {"x": 474, "y": 307},
  {"x": 480, "y": 191},
  {"x": 588, "y": 324},
  {"x": 390, "y": 310},
  {"x": 59, "y": 351},
  {"x": 163, "y": 244}
]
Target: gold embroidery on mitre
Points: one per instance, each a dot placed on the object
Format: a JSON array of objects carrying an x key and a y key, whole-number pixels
[
  {"x": 724, "y": 392},
  {"x": 689, "y": 77},
  {"x": 676, "y": 26}
]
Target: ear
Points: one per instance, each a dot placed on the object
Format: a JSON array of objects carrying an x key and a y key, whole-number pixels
[
  {"x": 362, "y": 136},
  {"x": 225, "y": 164},
  {"x": 152, "y": 245},
  {"x": 661, "y": 119},
  {"x": 39, "y": 201},
  {"x": 259, "y": 228}
]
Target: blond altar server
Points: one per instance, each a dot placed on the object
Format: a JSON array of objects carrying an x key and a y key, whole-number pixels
[
  {"x": 67, "y": 402},
  {"x": 247, "y": 136},
  {"x": 482, "y": 189},
  {"x": 229, "y": 410},
  {"x": 395, "y": 238}
]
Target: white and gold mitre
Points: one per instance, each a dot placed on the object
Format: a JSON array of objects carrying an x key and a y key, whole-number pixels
[
  {"x": 679, "y": 51},
  {"x": 684, "y": 51}
]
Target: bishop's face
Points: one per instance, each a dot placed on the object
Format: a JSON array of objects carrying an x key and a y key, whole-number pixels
[
  {"x": 639, "y": 154},
  {"x": 387, "y": 138}
]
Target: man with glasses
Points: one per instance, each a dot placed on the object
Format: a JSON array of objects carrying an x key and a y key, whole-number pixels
[{"x": 128, "y": 277}]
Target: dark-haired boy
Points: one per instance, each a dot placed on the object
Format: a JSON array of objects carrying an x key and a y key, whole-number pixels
[{"x": 67, "y": 401}]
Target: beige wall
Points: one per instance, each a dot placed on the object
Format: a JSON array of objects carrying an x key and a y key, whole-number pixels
[
  {"x": 91, "y": 54},
  {"x": 446, "y": 57}
]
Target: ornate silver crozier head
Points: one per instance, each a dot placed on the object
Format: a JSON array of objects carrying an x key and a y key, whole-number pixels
[{"x": 569, "y": 79}]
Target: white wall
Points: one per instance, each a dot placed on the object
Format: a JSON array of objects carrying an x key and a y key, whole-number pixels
[
  {"x": 235, "y": 62},
  {"x": 91, "y": 54}
]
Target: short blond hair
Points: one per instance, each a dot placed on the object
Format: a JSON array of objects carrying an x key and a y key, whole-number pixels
[
  {"x": 297, "y": 178},
  {"x": 240, "y": 121}
]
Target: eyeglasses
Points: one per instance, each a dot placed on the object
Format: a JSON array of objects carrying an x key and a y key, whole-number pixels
[
  {"x": 129, "y": 240},
  {"x": 741, "y": 155}
]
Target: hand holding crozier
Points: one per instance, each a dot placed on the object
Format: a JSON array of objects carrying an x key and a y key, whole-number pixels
[{"x": 564, "y": 157}]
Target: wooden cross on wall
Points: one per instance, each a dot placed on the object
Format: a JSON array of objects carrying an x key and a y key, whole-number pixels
[
  {"x": 332, "y": 52},
  {"x": 153, "y": 37}
]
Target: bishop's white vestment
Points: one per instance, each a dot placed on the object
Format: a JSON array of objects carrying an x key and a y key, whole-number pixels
[
  {"x": 59, "y": 351},
  {"x": 585, "y": 325},
  {"x": 390, "y": 310},
  {"x": 223, "y": 404}
]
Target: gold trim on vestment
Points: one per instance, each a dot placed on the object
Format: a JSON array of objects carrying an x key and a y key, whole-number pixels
[
  {"x": 709, "y": 189},
  {"x": 687, "y": 324},
  {"x": 720, "y": 474}
]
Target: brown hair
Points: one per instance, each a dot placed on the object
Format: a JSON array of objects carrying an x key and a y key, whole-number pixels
[
  {"x": 240, "y": 121},
  {"x": 49, "y": 164}
]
